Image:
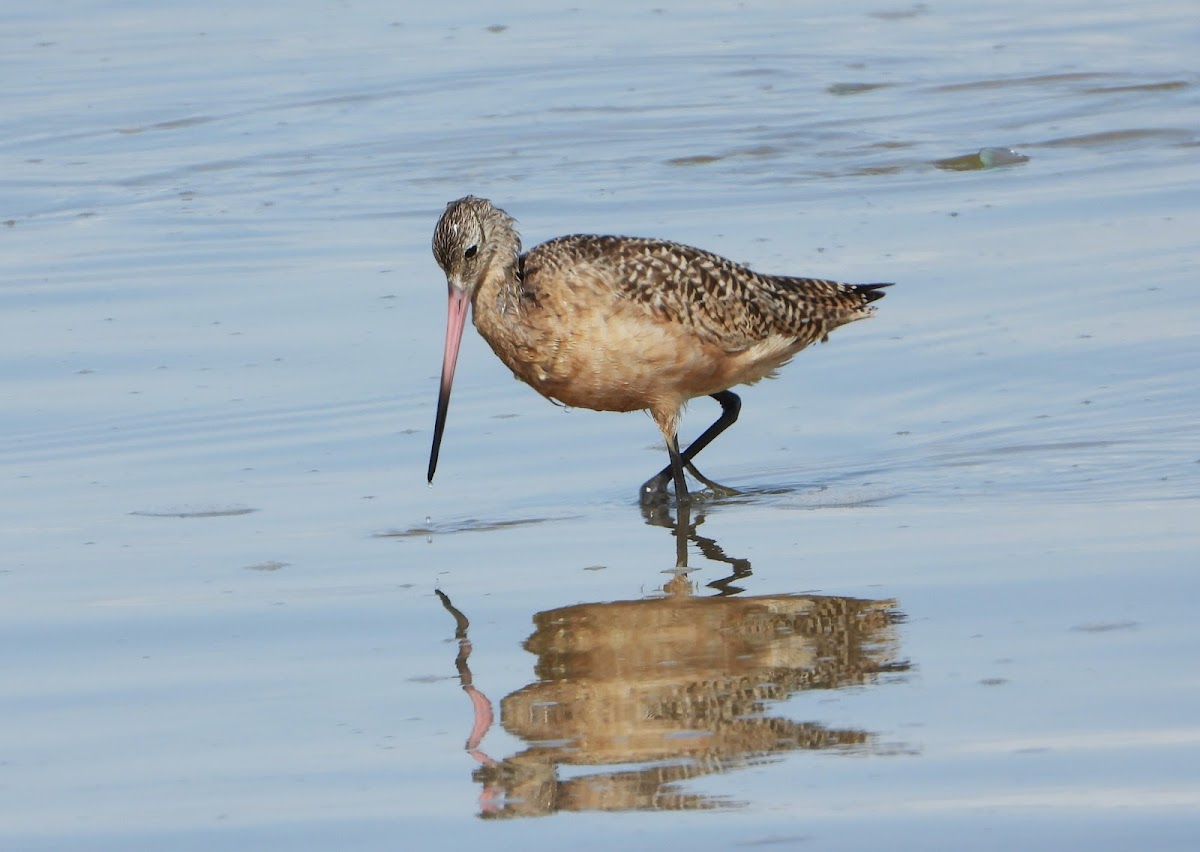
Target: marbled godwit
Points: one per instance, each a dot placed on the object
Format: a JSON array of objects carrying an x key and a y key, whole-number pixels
[{"x": 623, "y": 323}]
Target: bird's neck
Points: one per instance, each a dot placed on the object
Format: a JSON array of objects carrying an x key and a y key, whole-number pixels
[{"x": 500, "y": 305}]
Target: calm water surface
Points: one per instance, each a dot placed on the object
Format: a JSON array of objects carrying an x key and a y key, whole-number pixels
[{"x": 954, "y": 606}]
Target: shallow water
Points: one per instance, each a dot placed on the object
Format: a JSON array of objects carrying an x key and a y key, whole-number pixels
[{"x": 953, "y": 606}]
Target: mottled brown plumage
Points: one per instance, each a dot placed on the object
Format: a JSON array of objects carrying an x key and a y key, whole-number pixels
[{"x": 625, "y": 323}]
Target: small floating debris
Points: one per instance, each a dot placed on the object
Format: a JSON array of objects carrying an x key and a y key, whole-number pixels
[
  {"x": 913, "y": 11},
  {"x": 695, "y": 160},
  {"x": 985, "y": 158},
  {"x": 1104, "y": 626},
  {"x": 269, "y": 565},
  {"x": 855, "y": 88},
  {"x": 195, "y": 512},
  {"x": 466, "y": 525}
]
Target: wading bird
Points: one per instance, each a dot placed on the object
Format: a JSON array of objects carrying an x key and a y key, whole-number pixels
[{"x": 624, "y": 323}]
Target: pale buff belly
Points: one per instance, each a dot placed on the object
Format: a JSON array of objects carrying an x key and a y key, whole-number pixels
[{"x": 631, "y": 362}]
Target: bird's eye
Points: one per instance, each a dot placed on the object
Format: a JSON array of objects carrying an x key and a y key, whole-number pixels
[{"x": 471, "y": 252}]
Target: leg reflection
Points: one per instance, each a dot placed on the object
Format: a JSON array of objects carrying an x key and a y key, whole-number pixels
[{"x": 684, "y": 530}]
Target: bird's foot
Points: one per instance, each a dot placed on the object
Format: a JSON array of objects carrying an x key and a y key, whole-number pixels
[
  {"x": 716, "y": 488},
  {"x": 654, "y": 491}
]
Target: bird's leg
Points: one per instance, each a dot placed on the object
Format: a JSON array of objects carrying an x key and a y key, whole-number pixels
[
  {"x": 731, "y": 406},
  {"x": 654, "y": 490},
  {"x": 681, "y": 492}
]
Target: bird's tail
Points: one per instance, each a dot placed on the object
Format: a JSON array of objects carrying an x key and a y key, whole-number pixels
[{"x": 871, "y": 292}]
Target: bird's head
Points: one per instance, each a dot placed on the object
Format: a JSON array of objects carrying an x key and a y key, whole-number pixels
[{"x": 473, "y": 242}]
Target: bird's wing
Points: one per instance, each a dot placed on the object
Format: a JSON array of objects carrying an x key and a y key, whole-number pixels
[{"x": 716, "y": 299}]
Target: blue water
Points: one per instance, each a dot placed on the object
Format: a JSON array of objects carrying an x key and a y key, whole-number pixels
[{"x": 218, "y": 619}]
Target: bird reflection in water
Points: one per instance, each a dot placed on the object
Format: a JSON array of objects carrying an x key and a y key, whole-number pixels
[{"x": 677, "y": 687}]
